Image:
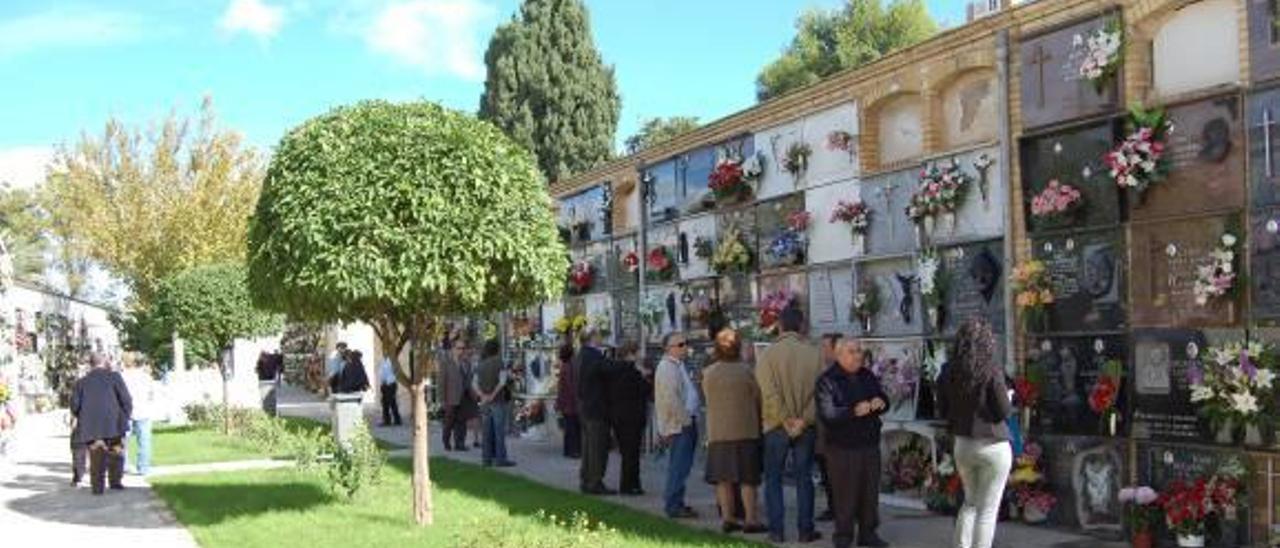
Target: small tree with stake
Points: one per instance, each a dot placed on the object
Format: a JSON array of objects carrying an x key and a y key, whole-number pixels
[{"x": 400, "y": 215}]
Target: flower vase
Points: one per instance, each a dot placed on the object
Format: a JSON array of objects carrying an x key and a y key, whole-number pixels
[
  {"x": 1110, "y": 422},
  {"x": 1142, "y": 539},
  {"x": 866, "y": 325},
  {"x": 1026, "y": 420},
  {"x": 859, "y": 244},
  {"x": 1191, "y": 541},
  {"x": 1033, "y": 515},
  {"x": 928, "y": 226},
  {"x": 1253, "y": 436},
  {"x": 948, "y": 223}
]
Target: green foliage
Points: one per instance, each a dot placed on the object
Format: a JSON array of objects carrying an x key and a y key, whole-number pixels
[
  {"x": 658, "y": 130},
  {"x": 383, "y": 211},
  {"x": 548, "y": 88},
  {"x": 266, "y": 434},
  {"x": 356, "y": 465},
  {"x": 827, "y": 42},
  {"x": 22, "y": 228},
  {"x": 576, "y": 532},
  {"x": 209, "y": 307}
]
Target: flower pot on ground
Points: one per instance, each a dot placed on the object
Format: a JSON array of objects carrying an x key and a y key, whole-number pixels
[
  {"x": 1034, "y": 516},
  {"x": 1191, "y": 541},
  {"x": 1142, "y": 539}
]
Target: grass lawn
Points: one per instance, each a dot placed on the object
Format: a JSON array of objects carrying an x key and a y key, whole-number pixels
[
  {"x": 474, "y": 506},
  {"x": 172, "y": 445}
]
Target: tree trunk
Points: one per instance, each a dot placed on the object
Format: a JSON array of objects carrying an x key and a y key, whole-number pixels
[
  {"x": 224, "y": 370},
  {"x": 423, "y": 513}
]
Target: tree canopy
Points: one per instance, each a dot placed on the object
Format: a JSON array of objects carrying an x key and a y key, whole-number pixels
[
  {"x": 548, "y": 88},
  {"x": 210, "y": 307},
  {"x": 827, "y": 42},
  {"x": 22, "y": 228},
  {"x": 658, "y": 130}
]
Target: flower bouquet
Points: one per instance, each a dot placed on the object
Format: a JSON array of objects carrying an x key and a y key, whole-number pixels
[
  {"x": 933, "y": 286},
  {"x": 1097, "y": 56},
  {"x": 568, "y": 325},
  {"x": 729, "y": 182},
  {"x": 1033, "y": 293},
  {"x": 4, "y": 392},
  {"x": 652, "y": 310},
  {"x": 1036, "y": 503},
  {"x": 1186, "y": 508},
  {"x": 1141, "y": 513},
  {"x": 941, "y": 191},
  {"x": 732, "y": 254},
  {"x": 581, "y": 276},
  {"x": 790, "y": 245},
  {"x": 1218, "y": 278},
  {"x": 771, "y": 307},
  {"x": 866, "y": 304},
  {"x": 1057, "y": 203},
  {"x": 602, "y": 324},
  {"x": 661, "y": 265},
  {"x": 703, "y": 247},
  {"x": 858, "y": 216},
  {"x": 909, "y": 465},
  {"x": 631, "y": 262},
  {"x": 796, "y": 161},
  {"x": 1139, "y": 160},
  {"x": 843, "y": 141},
  {"x": 1235, "y": 386},
  {"x": 1104, "y": 393},
  {"x": 943, "y": 490},
  {"x": 1032, "y": 495},
  {"x": 899, "y": 380}
]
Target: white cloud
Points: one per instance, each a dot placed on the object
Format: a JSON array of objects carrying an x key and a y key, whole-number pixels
[
  {"x": 253, "y": 17},
  {"x": 435, "y": 36},
  {"x": 67, "y": 27},
  {"x": 24, "y": 167}
]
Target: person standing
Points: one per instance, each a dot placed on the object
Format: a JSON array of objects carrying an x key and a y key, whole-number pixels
[
  {"x": 788, "y": 374},
  {"x": 629, "y": 391},
  {"x": 453, "y": 391},
  {"x": 850, "y": 402},
  {"x": 268, "y": 370},
  {"x": 336, "y": 363},
  {"x": 102, "y": 406},
  {"x": 974, "y": 400},
  {"x": 593, "y": 412},
  {"x": 733, "y": 433},
  {"x": 387, "y": 391},
  {"x": 829, "y": 343},
  {"x": 676, "y": 407},
  {"x": 352, "y": 379},
  {"x": 142, "y": 388},
  {"x": 489, "y": 384},
  {"x": 567, "y": 401}
]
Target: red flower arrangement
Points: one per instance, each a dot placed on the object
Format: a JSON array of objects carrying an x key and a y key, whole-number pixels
[
  {"x": 1102, "y": 397},
  {"x": 728, "y": 181},
  {"x": 771, "y": 308},
  {"x": 581, "y": 275},
  {"x": 1026, "y": 392},
  {"x": 798, "y": 221},
  {"x": 660, "y": 263},
  {"x": 1186, "y": 506},
  {"x": 631, "y": 261}
]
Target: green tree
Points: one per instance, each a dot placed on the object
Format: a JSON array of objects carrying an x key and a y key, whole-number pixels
[
  {"x": 209, "y": 307},
  {"x": 548, "y": 88},
  {"x": 22, "y": 228},
  {"x": 827, "y": 42},
  {"x": 658, "y": 130},
  {"x": 399, "y": 216}
]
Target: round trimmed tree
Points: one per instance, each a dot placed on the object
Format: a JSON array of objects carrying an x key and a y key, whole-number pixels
[{"x": 399, "y": 216}]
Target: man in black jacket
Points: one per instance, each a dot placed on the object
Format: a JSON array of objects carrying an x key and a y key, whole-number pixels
[
  {"x": 101, "y": 405},
  {"x": 593, "y": 412},
  {"x": 850, "y": 402}
]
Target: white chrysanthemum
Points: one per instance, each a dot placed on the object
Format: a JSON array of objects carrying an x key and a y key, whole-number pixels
[{"x": 1244, "y": 403}]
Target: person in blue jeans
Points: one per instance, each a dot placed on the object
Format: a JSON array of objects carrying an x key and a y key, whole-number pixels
[
  {"x": 490, "y": 386},
  {"x": 787, "y": 373},
  {"x": 676, "y": 405},
  {"x": 143, "y": 389}
]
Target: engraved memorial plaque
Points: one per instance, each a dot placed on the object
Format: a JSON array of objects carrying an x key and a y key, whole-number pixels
[
  {"x": 1206, "y": 152},
  {"x": 1052, "y": 89},
  {"x": 1264, "y": 148},
  {"x": 1264, "y": 264},
  {"x": 900, "y": 312},
  {"x": 1072, "y": 158},
  {"x": 1162, "y": 398},
  {"x": 1166, "y": 261},
  {"x": 1070, "y": 367},
  {"x": 975, "y": 274},
  {"x": 887, "y": 197},
  {"x": 830, "y": 299},
  {"x": 1088, "y": 274}
]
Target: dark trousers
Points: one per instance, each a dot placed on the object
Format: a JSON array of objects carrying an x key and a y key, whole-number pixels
[
  {"x": 390, "y": 407},
  {"x": 79, "y": 460},
  {"x": 629, "y": 434},
  {"x": 455, "y": 428},
  {"x": 595, "y": 453},
  {"x": 855, "y": 474},
  {"x": 572, "y": 437},
  {"x": 777, "y": 445},
  {"x": 821, "y": 460},
  {"x": 106, "y": 463}
]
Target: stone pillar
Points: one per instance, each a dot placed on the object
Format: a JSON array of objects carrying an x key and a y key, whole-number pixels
[
  {"x": 267, "y": 392},
  {"x": 347, "y": 413}
]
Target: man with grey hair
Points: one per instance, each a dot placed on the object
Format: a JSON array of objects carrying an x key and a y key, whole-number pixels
[
  {"x": 593, "y": 412},
  {"x": 676, "y": 405},
  {"x": 102, "y": 405}
]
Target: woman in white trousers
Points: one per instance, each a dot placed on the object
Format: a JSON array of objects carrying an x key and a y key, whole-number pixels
[{"x": 982, "y": 451}]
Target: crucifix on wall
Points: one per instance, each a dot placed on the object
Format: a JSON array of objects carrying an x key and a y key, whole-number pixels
[
  {"x": 1039, "y": 60},
  {"x": 887, "y": 194}
]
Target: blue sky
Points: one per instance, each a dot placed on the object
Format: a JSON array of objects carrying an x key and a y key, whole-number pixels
[{"x": 270, "y": 64}]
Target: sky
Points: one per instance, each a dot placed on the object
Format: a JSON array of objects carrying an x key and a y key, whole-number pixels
[{"x": 67, "y": 67}]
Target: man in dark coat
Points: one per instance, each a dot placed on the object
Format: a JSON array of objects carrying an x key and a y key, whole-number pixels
[
  {"x": 102, "y": 406},
  {"x": 593, "y": 413},
  {"x": 352, "y": 379}
]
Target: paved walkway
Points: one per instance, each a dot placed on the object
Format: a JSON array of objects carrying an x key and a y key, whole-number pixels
[
  {"x": 38, "y": 505},
  {"x": 541, "y": 461}
]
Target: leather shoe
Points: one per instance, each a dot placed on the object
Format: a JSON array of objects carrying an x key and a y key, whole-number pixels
[
  {"x": 754, "y": 529},
  {"x": 729, "y": 527},
  {"x": 633, "y": 492},
  {"x": 599, "y": 490},
  {"x": 683, "y": 513},
  {"x": 873, "y": 542},
  {"x": 811, "y": 536}
]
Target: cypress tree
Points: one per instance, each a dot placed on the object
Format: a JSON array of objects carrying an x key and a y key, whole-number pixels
[{"x": 548, "y": 88}]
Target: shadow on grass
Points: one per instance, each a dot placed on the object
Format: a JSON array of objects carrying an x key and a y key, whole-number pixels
[
  {"x": 522, "y": 497},
  {"x": 210, "y": 504}
]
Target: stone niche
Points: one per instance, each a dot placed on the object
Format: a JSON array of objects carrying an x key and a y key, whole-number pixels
[
  {"x": 771, "y": 221},
  {"x": 1196, "y": 48},
  {"x": 665, "y": 204},
  {"x": 969, "y": 109},
  {"x": 621, "y": 247},
  {"x": 1072, "y": 158},
  {"x": 598, "y": 255},
  {"x": 830, "y": 163},
  {"x": 584, "y": 214},
  {"x": 891, "y": 232},
  {"x": 900, "y": 120},
  {"x": 830, "y": 299},
  {"x": 1264, "y": 146},
  {"x": 982, "y": 214},
  {"x": 1207, "y": 153},
  {"x": 692, "y": 231},
  {"x": 1166, "y": 258},
  {"x": 975, "y": 276},
  {"x": 1070, "y": 366},
  {"x": 692, "y": 169},
  {"x": 830, "y": 241},
  {"x": 772, "y": 144},
  {"x": 667, "y": 236},
  {"x": 795, "y": 283},
  {"x": 1052, "y": 90},
  {"x": 1264, "y": 39},
  {"x": 901, "y": 311},
  {"x": 1162, "y": 407},
  {"x": 1264, "y": 263},
  {"x": 907, "y": 352},
  {"x": 1088, "y": 276}
]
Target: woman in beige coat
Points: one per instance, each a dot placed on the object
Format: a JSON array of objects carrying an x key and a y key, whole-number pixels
[{"x": 733, "y": 432}]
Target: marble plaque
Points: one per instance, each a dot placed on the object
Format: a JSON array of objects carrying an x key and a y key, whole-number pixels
[
  {"x": 621, "y": 277},
  {"x": 887, "y": 196},
  {"x": 829, "y": 163},
  {"x": 1052, "y": 90},
  {"x": 901, "y": 312},
  {"x": 830, "y": 241},
  {"x": 771, "y": 220},
  {"x": 1264, "y": 146},
  {"x": 668, "y": 297},
  {"x": 1070, "y": 367},
  {"x": 1162, "y": 397},
  {"x": 699, "y": 304},
  {"x": 693, "y": 230},
  {"x": 1264, "y": 264},
  {"x": 1096, "y": 478},
  {"x": 902, "y": 406},
  {"x": 901, "y": 122},
  {"x": 1166, "y": 257},
  {"x": 665, "y": 198},
  {"x": 1088, "y": 273},
  {"x": 982, "y": 214},
  {"x": 830, "y": 299},
  {"x": 773, "y": 144},
  {"x": 1264, "y": 40},
  {"x": 975, "y": 279},
  {"x": 1072, "y": 158},
  {"x": 969, "y": 109},
  {"x": 1206, "y": 152},
  {"x": 627, "y": 304},
  {"x": 1197, "y": 48}
]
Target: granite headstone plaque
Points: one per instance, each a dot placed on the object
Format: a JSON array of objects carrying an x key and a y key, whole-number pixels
[
  {"x": 1264, "y": 243},
  {"x": 1206, "y": 153},
  {"x": 1071, "y": 367},
  {"x": 1088, "y": 276},
  {"x": 1166, "y": 259},
  {"x": 830, "y": 296},
  {"x": 1162, "y": 398},
  {"x": 1052, "y": 89},
  {"x": 1072, "y": 158},
  {"x": 887, "y": 196},
  {"x": 1160, "y": 464},
  {"x": 975, "y": 279},
  {"x": 900, "y": 312}
]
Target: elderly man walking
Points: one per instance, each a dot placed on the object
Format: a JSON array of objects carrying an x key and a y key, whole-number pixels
[
  {"x": 676, "y": 405},
  {"x": 102, "y": 406},
  {"x": 788, "y": 372},
  {"x": 593, "y": 412},
  {"x": 453, "y": 386}
]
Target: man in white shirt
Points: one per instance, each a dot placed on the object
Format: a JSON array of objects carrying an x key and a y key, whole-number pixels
[
  {"x": 676, "y": 405},
  {"x": 143, "y": 390},
  {"x": 336, "y": 363},
  {"x": 387, "y": 393}
]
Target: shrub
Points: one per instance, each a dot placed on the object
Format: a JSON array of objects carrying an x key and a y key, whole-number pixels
[
  {"x": 356, "y": 465},
  {"x": 576, "y": 532},
  {"x": 308, "y": 445}
]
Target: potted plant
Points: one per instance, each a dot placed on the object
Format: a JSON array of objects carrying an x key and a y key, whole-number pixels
[
  {"x": 1141, "y": 512},
  {"x": 1186, "y": 510},
  {"x": 858, "y": 216},
  {"x": 1235, "y": 389}
]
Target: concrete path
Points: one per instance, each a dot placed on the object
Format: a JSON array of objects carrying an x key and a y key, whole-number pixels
[
  {"x": 541, "y": 461},
  {"x": 38, "y": 505}
]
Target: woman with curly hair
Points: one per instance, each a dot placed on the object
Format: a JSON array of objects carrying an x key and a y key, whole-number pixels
[
  {"x": 733, "y": 432},
  {"x": 974, "y": 399}
]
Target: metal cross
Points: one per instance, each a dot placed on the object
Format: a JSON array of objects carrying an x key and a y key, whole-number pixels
[
  {"x": 1267, "y": 122},
  {"x": 1039, "y": 60}
]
